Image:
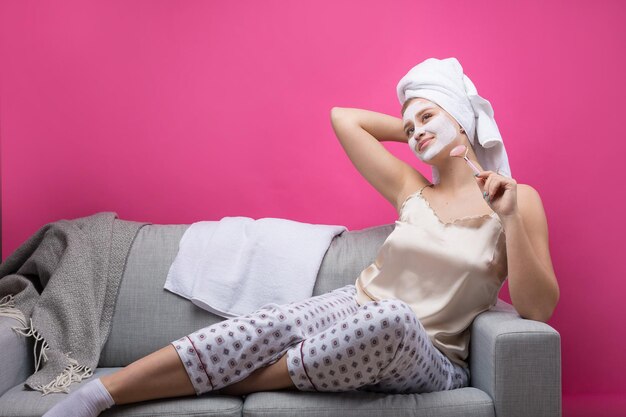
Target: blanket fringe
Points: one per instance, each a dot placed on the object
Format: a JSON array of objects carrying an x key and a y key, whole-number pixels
[
  {"x": 30, "y": 331},
  {"x": 7, "y": 309},
  {"x": 61, "y": 383},
  {"x": 72, "y": 373}
]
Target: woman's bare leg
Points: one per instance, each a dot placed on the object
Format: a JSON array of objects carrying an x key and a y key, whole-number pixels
[
  {"x": 269, "y": 378},
  {"x": 161, "y": 374},
  {"x": 158, "y": 375}
]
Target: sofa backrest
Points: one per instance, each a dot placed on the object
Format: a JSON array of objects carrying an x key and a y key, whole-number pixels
[{"x": 147, "y": 317}]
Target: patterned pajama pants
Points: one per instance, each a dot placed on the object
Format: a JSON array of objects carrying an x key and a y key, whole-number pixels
[{"x": 331, "y": 343}]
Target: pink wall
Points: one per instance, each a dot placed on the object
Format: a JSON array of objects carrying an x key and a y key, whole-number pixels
[{"x": 175, "y": 112}]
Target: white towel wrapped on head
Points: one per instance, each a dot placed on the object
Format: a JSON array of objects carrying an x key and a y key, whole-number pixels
[
  {"x": 235, "y": 266},
  {"x": 443, "y": 82}
]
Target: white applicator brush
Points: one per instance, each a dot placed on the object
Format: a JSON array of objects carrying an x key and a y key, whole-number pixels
[{"x": 461, "y": 151}]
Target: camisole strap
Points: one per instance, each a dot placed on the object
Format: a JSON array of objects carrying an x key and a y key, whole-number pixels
[{"x": 427, "y": 185}]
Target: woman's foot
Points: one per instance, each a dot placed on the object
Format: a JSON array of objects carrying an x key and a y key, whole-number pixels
[{"x": 87, "y": 401}]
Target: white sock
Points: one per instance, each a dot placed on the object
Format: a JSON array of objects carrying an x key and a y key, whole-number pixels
[{"x": 87, "y": 401}]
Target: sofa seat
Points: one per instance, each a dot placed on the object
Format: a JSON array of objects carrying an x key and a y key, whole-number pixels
[
  {"x": 22, "y": 402},
  {"x": 464, "y": 402}
]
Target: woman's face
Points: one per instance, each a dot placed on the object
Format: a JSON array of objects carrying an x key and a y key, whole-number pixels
[{"x": 425, "y": 123}]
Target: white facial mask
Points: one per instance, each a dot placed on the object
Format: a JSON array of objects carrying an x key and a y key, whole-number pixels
[{"x": 440, "y": 127}]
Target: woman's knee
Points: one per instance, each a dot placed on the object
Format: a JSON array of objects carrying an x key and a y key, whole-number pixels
[
  {"x": 395, "y": 317},
  {"x": 278, "y": 323}
]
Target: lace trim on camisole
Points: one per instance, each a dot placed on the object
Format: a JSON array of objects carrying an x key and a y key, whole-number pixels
[{"x": 418, "y": 193}]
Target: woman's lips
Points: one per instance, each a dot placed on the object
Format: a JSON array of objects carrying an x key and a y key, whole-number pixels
[{"x": 425, "y": 144}]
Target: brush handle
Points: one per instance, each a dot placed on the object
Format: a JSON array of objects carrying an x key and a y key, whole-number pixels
[{"x": 476, "y": 170}]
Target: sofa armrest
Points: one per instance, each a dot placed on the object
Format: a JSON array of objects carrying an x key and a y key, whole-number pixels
[
  {"x": 517, "y": 362},
  {"x": 16, "y": 355}
]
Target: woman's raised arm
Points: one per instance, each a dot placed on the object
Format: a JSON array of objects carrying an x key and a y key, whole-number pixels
[{"x": 360, "y": 133}]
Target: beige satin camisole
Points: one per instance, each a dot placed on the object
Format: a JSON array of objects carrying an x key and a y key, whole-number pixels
[{"x": 447, "y": 272}]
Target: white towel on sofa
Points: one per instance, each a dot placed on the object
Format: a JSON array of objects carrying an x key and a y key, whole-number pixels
[{"x": 237, "y": 265}]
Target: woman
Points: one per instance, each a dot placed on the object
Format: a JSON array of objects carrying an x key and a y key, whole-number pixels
[{"x": 403, "y": 327}]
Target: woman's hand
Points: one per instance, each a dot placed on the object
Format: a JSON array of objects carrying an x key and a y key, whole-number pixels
[{"x": 499, "y": 192}]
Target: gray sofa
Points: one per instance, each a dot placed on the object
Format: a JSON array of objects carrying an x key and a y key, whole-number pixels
[{"x": 515, "y": 364}]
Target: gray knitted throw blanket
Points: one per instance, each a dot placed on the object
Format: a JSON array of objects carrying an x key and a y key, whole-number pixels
[{"x": 62, "y": 285}]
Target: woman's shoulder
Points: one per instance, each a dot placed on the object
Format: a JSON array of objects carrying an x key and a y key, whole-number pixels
[
  {"x": 527, "y": 192},
  {"x": 529, "y": 203}
]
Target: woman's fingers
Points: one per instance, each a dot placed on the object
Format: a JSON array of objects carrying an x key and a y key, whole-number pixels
[
  {"x": 490, "y": 183},
  {"x": 484, "y": 182},
  {"x": 489, "y": 188}
]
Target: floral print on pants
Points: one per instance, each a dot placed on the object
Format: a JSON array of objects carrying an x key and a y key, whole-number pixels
[{"x": 332, "y": 344}]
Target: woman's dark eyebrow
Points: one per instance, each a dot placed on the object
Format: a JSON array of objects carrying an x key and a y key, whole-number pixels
[{"x": 417, "y": 115}]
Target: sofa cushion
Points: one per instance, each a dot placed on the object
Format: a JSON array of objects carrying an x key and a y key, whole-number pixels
[
  {"x": 348, "y": 254},
  {"x": 148, "y": 317},
  {"x": 463, "y": 402},
  {"x": 20, "y": 402}
]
